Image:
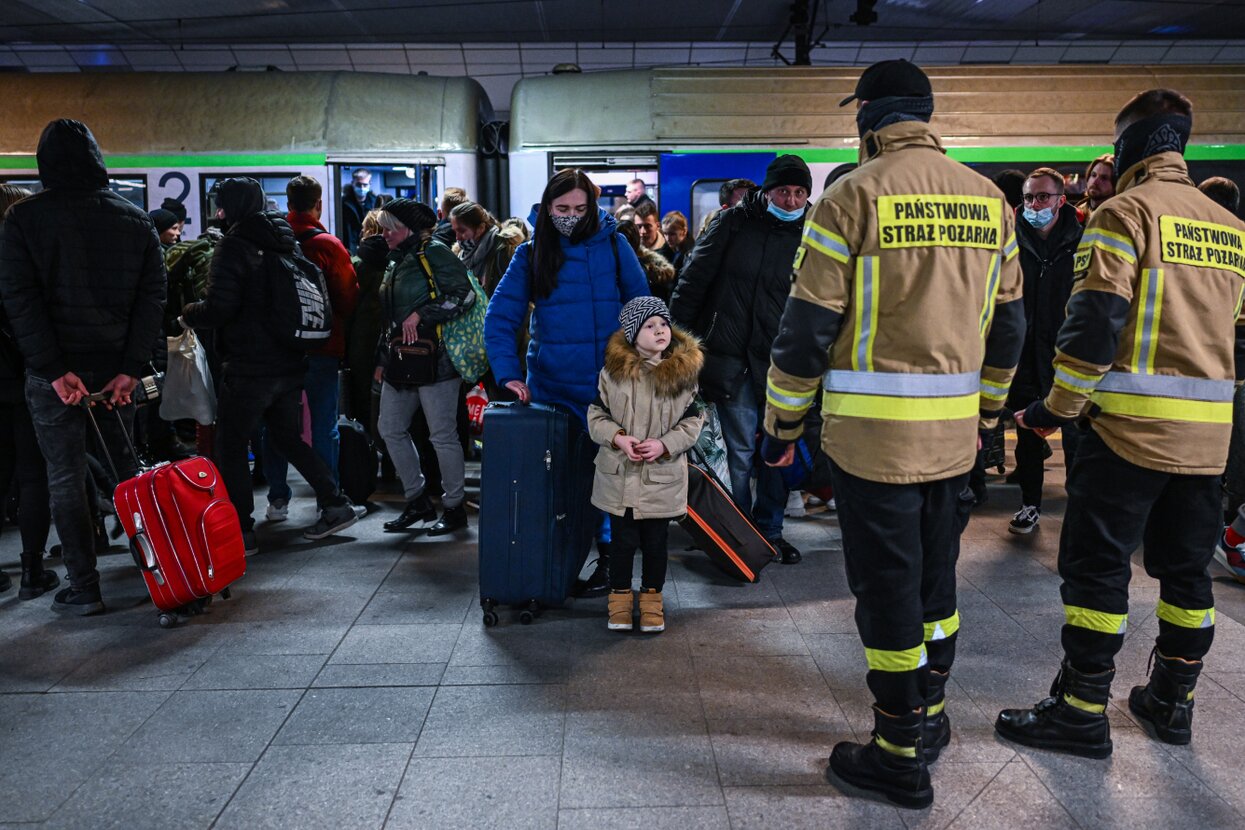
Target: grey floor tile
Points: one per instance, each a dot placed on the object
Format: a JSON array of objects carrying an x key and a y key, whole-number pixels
[
  {"x": 397, "y": 644},
  {"x": 823, "y": 806},
  {"x": 763, "y": 687},
  {"x": 741, "y": 632},
  {"x": 40, "y": 653},
  {"x": 291, "y": 604},
  {"x": 956, "y": 785},
  {"x": 46, "y": 758},
  {"x": 503, "y": 675},
  {"x": 494, "y": 720},
  {"x": 310, "y": 636},
  {"x": 775, "y": 752},
  {"x": 515, "y": 645},
  {"x": 357, "y": 716},
  {"x": 417, "y": 607},
  {"x": 592, "y": 711},
  {"x": 218, "y": 727},
  {"x": 470, "y": 793},
  {"x": 321, "y": 786},
  {"x": 380, "y": 674},
  {"x": 1017, "y": 800},
  {"x": 156, "y": 796},
  {"x": 256, "y": 671},
  {"x": 644, "y": 818},
  {"x": 626, "y": 770}
]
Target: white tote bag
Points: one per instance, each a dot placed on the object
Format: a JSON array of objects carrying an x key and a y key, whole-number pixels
[{"x": 188, "y": 389}]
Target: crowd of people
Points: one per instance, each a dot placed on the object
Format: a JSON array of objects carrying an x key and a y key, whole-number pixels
[{"x": 906, "y": 311}]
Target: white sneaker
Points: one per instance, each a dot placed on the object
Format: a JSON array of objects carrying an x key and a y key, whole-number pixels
[
  {"x": 360, "y": 510},
  {"x": 795, "y": 505},
  {"x": 278, "y": 510}
]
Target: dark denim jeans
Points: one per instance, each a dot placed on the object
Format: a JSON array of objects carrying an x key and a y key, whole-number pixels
[
  {"x": 63, "y": 436},
  {"x": 741, "y": 416},
  {"x": 320, "y": 384},
  {"x": 245, "y": 402}
]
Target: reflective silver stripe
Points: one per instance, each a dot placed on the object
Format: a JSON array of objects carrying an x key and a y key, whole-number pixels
[
  {"x": 1010, "y": 247},
  {"x": 1075, "y": 382},
  {"x": 993, "y": 390},
  {"x": 790, "y": 400},
  {"x": 1168, "y": 386},
  {"x": 1145, "y": 352},
  {"x": 865, "y": 315},
  {"x": 1094, "y": 237},
  {"x": 827, "y": 241},
  {"x": 902, "y": 384}
]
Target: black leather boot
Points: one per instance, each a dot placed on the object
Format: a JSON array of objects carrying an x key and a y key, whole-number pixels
[
  {"x": 36, "y": 580},
  {"x": 1073, "y": 719},
  {"x": 419, "y": 513},
  {"x": 936, "y": 731},
  {"x": 454, "y": 518},
  {"x": 598, "y": 582},
  {"x": 891, "y": 765},
  {"x": 1165, "y": 704}
]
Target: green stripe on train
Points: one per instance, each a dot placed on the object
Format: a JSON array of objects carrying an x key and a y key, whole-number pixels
[
  {"x": 1007, "y": 155},
  {"x": 122, "y": 162}
]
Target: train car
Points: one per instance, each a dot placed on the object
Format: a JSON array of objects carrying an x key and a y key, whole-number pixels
[
  {"x": 175, "y": 134},
  {"x": 686, "y": 130}
]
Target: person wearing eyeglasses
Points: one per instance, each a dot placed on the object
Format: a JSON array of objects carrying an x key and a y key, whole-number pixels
[{"x": 1048, "y": 233}]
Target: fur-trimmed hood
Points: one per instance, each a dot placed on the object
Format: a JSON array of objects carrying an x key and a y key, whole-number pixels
[
  {"x": 656, "y": 267},
  {"x": 675, "y": 375}
]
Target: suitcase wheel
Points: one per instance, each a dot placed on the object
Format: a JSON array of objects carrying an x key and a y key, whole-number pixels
[
  {"x": 1001, "y": 469},
  {"x": 490, "y": 619},
  {"x": 168, "y": 620},
  {"x": 529, "y": 614},
  {"x": 225, "y": 593}
]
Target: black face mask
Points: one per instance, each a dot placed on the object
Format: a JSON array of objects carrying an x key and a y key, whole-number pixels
[
  {"x": 875, "y": 115},
  {"x": 1162, "y": 133}
]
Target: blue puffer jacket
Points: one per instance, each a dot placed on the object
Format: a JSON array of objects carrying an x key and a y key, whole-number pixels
[{"x": 571, "y": 326}]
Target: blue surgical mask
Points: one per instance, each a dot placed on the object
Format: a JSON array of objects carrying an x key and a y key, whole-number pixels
[
  {"x": 361, "y": 190},
  {"x": 785, "y": 215},
  {"x": 1039, "y": 218}
]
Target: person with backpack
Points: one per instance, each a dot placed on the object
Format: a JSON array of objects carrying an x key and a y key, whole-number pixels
[
  {"x": 268, "y": 305},
  {"x": 425, "y": 287},
  {"x": 575, "y": 275},
  {"x": 324, "y": 361}
]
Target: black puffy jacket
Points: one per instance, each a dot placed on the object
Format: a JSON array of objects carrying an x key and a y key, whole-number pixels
[
  {"x": 1047, "y": 266},
  {"x": 732, "y": 292},
  {"x": 81, "y": 269},
  {"x": 237, "y": 302}
]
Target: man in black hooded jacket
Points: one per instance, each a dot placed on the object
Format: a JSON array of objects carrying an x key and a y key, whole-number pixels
[
  {"x": 263, "y": 375},
  {"x": 82, "y": 280}
]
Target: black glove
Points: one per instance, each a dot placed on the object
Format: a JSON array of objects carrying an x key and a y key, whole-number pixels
[
  {"x": 1037, "y": 416},
  {"x": 772, "y": 449},
  {"x": 373, "y": 250}
]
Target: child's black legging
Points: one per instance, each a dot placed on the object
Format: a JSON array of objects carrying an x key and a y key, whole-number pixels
[{"x": 630, "y": 534}]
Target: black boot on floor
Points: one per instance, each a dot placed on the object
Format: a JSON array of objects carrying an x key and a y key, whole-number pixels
[
  {"x": 6, "y": 582},
  {"x": 1165, "y": 704},
  {"x": 419, "y": 514},
  {"x": 598, "y": 582},
  {"x": 1073, "y": 719},
  {"x": 936, "y": 732},
  {"x": 454, "y": 518},
  {"x": 891, "y": 765},
  {"x": 36, "y": 580},
  {"x": 78, "y": 602}
]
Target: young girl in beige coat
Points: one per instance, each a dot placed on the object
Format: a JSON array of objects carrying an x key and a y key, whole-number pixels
[{"x": 645, "y": 422}]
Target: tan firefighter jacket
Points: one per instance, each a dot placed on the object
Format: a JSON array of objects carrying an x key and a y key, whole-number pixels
[
  {"x": 907, "y": 287},
  {"x": 1147, "y": 348}
]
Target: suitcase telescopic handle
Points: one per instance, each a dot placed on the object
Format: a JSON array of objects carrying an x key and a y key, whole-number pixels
[{"x": 86, "y": 404}]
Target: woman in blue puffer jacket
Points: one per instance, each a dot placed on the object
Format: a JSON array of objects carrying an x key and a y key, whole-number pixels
[{"x": 578, "y": 275}]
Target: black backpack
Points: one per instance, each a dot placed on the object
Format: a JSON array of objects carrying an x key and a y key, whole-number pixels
[{"x": 302, "y": 316}]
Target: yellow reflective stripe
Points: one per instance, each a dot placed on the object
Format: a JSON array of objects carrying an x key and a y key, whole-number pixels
[
  {"x": 1084, "y": 705},
  {"x": 1166, "y": 409},
  {"x": 895, "y": 749},
  {"x": 891, "y": 408},
  {"x": 788, "y": 400},
  {"x": 942, "y": 629},
  {"x": 908, "y": 659},
  {"x": 1240, "y": 301},
  {"x": 1010, "y": 248},
  {"x": 866, "y": 313},
  {"x": 992, "y": 291},
  {"x": 1146, "y": 335},
  {"x": 827, "y": 242},
  {"x": 1075, "y": 381},
  {"x": 935, "y": 708},
  {"x": 1100, "y": 621},
  {"x": 993, "y": 391},
  {"x": 1185, "y": 617},
  {"x": 1110, "y": 242}
]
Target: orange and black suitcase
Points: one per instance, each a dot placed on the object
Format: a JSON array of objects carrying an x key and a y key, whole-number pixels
[{"x": 721, "y": 529}]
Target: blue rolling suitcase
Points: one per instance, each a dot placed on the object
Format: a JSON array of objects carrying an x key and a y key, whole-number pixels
[{"x": 536, "y": 523}]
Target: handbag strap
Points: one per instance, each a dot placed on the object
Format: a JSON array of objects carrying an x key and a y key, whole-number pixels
[{"x": 432, "y": 282}]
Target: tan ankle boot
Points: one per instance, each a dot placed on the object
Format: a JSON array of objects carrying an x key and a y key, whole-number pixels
[
  {"x": 652, "y": 615},
  {"x": 621, "y": 606}
]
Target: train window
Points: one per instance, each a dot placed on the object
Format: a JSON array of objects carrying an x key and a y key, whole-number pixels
[
  {"x": 377, "y": 183},
  {"x": 704, "y": 201},
  {"x": 131, "y": 186},
  {"x": 273, "y": 184}
]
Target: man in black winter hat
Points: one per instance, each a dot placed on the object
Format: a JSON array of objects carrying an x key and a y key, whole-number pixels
[{"x": 734, "y": 302}]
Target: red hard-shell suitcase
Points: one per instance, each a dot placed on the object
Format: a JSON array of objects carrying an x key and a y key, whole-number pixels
[
  {"x": 184, "y": 533},
  {"x": 721, "y": 530}
]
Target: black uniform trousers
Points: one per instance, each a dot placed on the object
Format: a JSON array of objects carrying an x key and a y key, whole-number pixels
[
  {"x": 901, "y": 543},
  {"x": 1113, "y": 507}
]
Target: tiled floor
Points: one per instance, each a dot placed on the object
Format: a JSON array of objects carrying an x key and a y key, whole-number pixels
[{"x": 351, "y": 684}]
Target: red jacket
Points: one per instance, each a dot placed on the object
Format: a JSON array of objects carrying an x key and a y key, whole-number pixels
[{"x": 327, "y": 251}]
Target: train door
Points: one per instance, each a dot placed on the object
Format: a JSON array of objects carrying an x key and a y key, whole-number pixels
[
  {"x": 614, "y": 175},
  {"x": 362, "y": 186},
  {"x": 692, "y": 180}
]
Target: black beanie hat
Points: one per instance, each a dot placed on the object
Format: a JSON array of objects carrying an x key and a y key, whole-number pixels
[
  {"x": 787, "y": 170},
  {"x": 174, "y": 207},
  {"x": 889, "y": 79},
  {"x": 415, "y": 215},
  {"x": 163, "y": 219}
]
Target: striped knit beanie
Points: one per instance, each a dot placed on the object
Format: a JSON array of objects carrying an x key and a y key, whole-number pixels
[{"x": 635, "y": 313}]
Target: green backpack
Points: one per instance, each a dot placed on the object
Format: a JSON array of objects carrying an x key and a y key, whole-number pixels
[{"x": 464, "y": 335}]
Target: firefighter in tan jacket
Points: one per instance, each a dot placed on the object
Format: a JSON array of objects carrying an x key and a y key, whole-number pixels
[
  {"x": 1146, "y": 353},
  {"x": 907, "y": 289}
]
